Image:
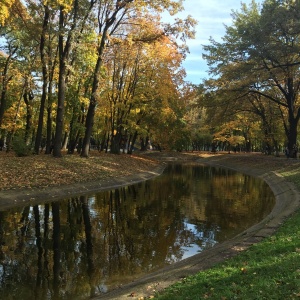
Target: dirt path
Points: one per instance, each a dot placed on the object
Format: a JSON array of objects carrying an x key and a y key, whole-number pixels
[{"x": 287, "y": 202}]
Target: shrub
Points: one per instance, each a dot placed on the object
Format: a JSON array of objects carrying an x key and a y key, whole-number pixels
[{"x": 20, "y": 147}]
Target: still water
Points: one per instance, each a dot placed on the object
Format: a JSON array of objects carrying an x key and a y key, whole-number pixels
[{"x": 87, "y": 245}]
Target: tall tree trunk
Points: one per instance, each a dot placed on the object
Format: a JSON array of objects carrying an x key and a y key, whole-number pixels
[
  {"x": 144, "y": 143},
  {"x": 49, "y": 137},
  {"x": 28, "y": 97},
  {"x": 292, "y": 133},
  {"x": 109, "y": 21},
  {"x": 39, "y": 133},
  {"x": 107, "y": 142},
  {"x": 74, "y": 131},
  {"x": 49, "y": 134},
  {"x": 128, "y": 144},
  {"x": 103, "y": 141},
  {"x": 65, "y": 140},
  {"x": 73, "y": 143},
  {"x": 291, "y": 129},
  {"x": 5, "y": 81},
  {"x": 116, "y": 141},
  {"x": 64, "y": 49},
  {"x": 63, "y": 54},
  {"x": 89, "y": 122},
  {"x": 131, "y": 147}
]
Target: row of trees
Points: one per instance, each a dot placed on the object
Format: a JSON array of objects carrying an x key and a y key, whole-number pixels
[
  {"x": 109, "y": 73},
  {"x": 254, "y": 89},
  {"x": 76, "y": 72}
]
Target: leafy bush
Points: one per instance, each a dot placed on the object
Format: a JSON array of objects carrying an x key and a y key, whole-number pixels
[{"x": 20, "y": 147}]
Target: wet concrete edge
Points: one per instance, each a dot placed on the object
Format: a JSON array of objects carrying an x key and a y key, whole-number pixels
[{"x": 287, "y": 202}]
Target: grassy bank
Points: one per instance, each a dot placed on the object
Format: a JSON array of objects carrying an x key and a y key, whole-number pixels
[{"x": 267, "y": 270}]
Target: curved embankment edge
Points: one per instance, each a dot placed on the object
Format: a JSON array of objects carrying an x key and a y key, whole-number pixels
[
  {"x": 287, "y": 202},
  {"x": 13, "y": 198}
]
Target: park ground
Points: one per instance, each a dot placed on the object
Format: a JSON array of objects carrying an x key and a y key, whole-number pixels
[
  {"x": 31, "y": 178},
  {"x": 44, "y": 171}
]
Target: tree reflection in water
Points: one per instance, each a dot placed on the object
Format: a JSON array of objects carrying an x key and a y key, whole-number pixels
[{"x": 83, "y": 246}]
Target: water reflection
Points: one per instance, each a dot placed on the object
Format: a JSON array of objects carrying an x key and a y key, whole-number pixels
[{"x": 86, "y": 245}]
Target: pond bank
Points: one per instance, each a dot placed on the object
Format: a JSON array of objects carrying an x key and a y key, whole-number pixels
[
  {"x": 12, "y": 198},
  {"x": 287, "y": 202},
  {"x": 268, "y": 168}
]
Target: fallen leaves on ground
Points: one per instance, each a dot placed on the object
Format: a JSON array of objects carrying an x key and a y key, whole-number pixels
[{"x": 40, "y": 171}]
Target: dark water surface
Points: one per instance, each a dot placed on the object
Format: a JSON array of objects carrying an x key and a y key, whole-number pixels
[{"x": 87, "y": 245}]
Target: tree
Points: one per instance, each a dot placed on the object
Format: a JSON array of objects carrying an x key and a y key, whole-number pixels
[
  {"x": 110, "y": 15},
  {"x": 7, "y": 76},
  {"x": 260, "y": 55},
  {"x": 66, "y": 40},
  {"x": 133, "y": 70},
  {"x": 61, "y": 48},
  {"x": 109, "y": 21},
  {"x": 45, "y": 60}
]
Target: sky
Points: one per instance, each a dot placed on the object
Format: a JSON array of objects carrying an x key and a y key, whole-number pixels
[{"x": 211, "y": 16}]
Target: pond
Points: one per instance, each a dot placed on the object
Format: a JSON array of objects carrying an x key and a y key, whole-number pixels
[{"x": 87, "y": 245}]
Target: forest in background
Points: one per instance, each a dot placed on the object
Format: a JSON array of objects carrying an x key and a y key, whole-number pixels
[{"x": 108, "y": 75}]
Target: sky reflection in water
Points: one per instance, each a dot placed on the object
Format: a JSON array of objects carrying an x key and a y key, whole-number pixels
[{"x": 86, "y": 245}]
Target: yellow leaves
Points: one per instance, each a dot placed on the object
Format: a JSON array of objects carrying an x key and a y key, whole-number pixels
[
  {"x": 168, "y": 113},
  {"x": 66, "y": 4},
  {"x": 84, "y": 100},
  {"x": 11, "y": 118},
  {"x": 5, "y": 6},
  {"x": 231, "y": 132},
  {"x": 10, "y": 9},
  {"x": 160, "y": 6}
]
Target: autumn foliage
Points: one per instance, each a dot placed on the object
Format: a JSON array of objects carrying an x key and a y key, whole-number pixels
[{"x": 77, "y": 74}]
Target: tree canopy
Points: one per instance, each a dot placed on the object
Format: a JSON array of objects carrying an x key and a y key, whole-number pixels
[
  {"x": 256, "y": 66},
  {"x": 82, "y": 73},
  {"x": 108, "y": 74}
]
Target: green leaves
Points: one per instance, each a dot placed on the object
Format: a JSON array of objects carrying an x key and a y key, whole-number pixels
[{"x": 257, "y": 62}]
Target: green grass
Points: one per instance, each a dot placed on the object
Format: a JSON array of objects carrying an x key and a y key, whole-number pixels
[{"x": 267, "y": 270}]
